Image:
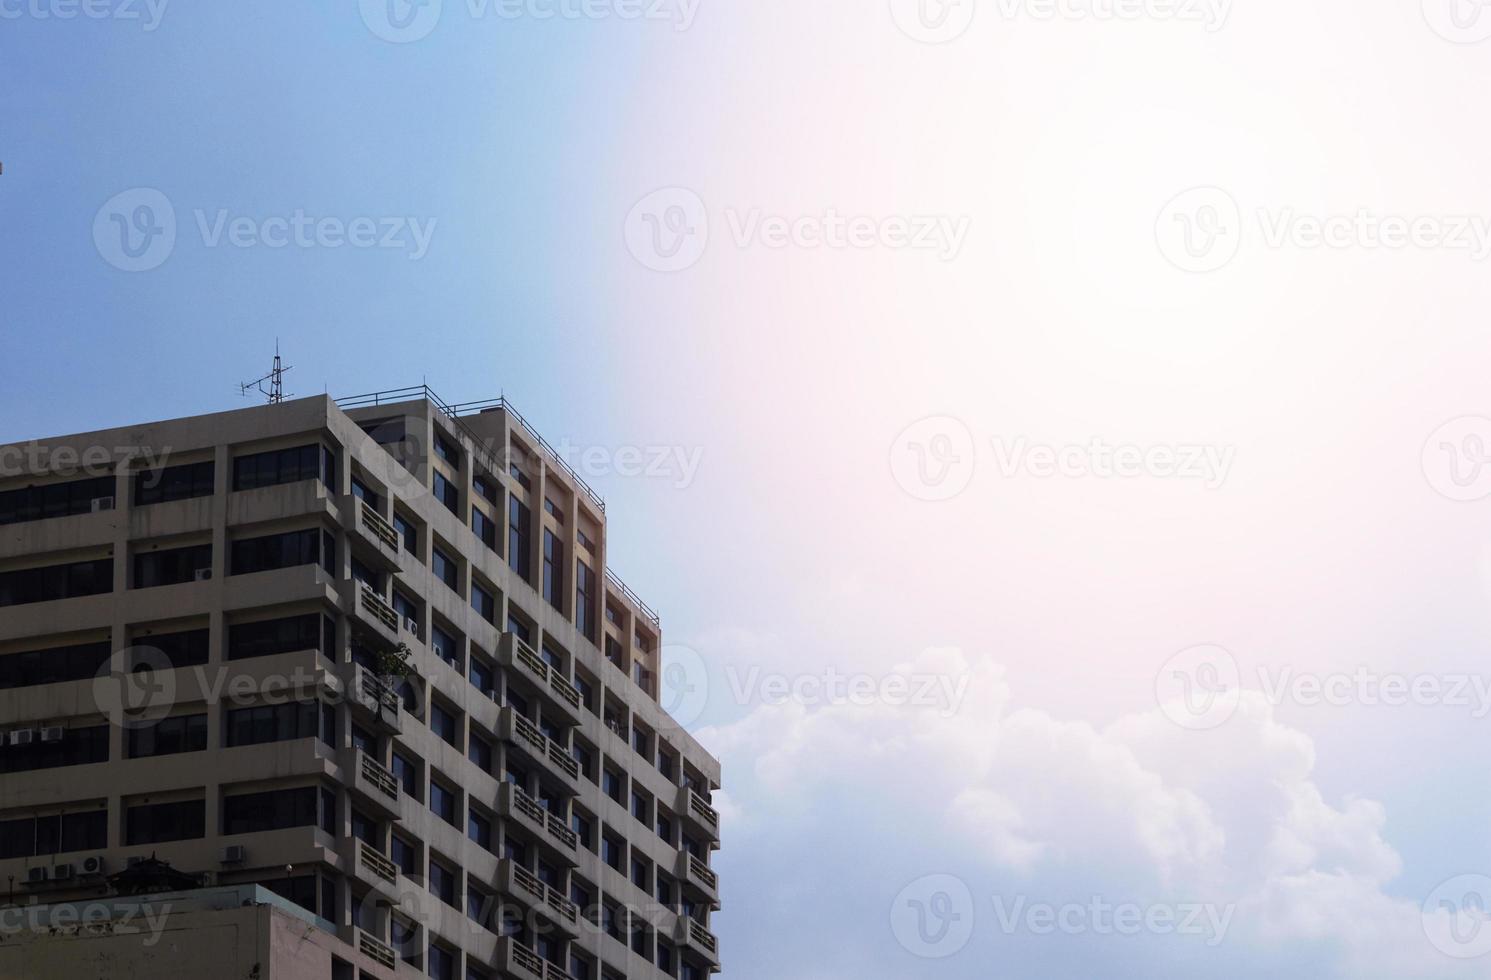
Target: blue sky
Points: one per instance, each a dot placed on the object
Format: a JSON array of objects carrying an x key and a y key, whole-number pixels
[{"x": 909, "y": 290}]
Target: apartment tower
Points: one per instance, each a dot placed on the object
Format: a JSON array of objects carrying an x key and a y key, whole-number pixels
[{"x": 201, "y": 628}]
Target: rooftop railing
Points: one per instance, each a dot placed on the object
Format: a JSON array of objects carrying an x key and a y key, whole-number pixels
[{"x": 455, "y": 413}]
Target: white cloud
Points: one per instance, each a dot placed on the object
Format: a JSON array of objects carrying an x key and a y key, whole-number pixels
[{"x": 1140, "y": 810}]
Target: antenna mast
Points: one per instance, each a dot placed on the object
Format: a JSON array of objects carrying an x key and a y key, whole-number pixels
[{"x": 275, "y": 379}]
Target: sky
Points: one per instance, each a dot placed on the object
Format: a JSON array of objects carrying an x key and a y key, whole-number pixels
[{"x": 1054, "y": 433}]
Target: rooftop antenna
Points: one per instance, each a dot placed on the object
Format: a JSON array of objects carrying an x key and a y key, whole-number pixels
[{"x": 275, "y": 379}]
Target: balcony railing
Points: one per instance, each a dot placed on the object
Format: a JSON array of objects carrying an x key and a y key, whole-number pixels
[
  {"x": 514, "y": 652},
  {"x": 694, "y": 934},
  {"x": 377, "y": 607},
  {"x": 376, "y": 948},
  {"x": 377, "y": 526},
  {"x": 374, "y": 772},
  {"x": 376, "y": 862},
  {"x": 692, "y": 806}
]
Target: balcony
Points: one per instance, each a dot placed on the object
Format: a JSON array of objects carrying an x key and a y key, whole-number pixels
[
  {"x": 369, "y": 528},
  {"x": 544, "y": 827},
  {"x": 699, "y": 815},
  {"x": 371, "y": 782},
  {"x": 539, "y": 749},
  {"x": 371, "y": 868},
  {"x": 697, "y": 877},
  {"x": 372, "y": 699},
  {"x": 691, "y": 936},
  {"x": 518, "y": 962},
  {"x": 376, "y": 949},
  {"x": 524, "y": 886},
  {"x": 559, "y": 694},
  {"x": 374, "y": 613}
]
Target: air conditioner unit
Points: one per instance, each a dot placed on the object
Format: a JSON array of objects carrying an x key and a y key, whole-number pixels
[
  {"x": 92, "y": 865},
  {"x": 37, "y": 875},
  {"x": 411, "y": 624},
  {"x": 204, "y": 574},
  {"x": 63, "y": 872},
  {"x": 102, "y": 504},
  {"x": 24, "y": 736},
  {"x": 51, "y": 734},
  {"x": 233, "y": 854}
]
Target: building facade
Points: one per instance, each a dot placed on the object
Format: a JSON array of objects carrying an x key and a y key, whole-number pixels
[{"x": 202, "y": 623}]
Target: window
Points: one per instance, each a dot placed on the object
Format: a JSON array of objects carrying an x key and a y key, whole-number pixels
[
  {"x": 172, "y": 566},
  {"x": 406, "y": 773},
  {"x": 484, "y": 528},
  {"x": 484, "y": 602},
  {"x": 641, "y": 806},
  {"x": 479, "y": 829},
  {"x": 406, "y": 609},
  {"x": 52, "y": 582},
  {"x": 641, "y": 869},
  {"x": 517, "y": 473},
  {"x": 53, "y": 500},
  {"x": 641, "y": 740},
  {"x": 665, "y": 958},
  {"x": 365, "y": 829},
  {"x": 442, "y": 963},
  {"x": 518, "y": 537},
  {"x": 585, "y": 600},
  {"x": 612, "y": 783},
  {"x": 447, "y": 493},
  {"x": 553, "y": 568},
  {"x": 583, "y": 829},
  {"x": 443, "y": 723},
  {"x": 286, "y": 550},
  {"x": 479, "y": 910},
  {"x": 443, "y": 802},
  {"x": 78, "y": 747},
  {"x": 612, "y": 849},
  {"x": 447, "y": 451},
  {"x": 446, "y": 647},
  {"x": 157, "y": 823},
  {"x": 274, "y": 723},
  {"x": 188, "y": 649},
  {"x": 664, "y": 827},
  {"x": 30, "y": 836},
  {"x": 443, "y": 883},
  {"x": 446, "y": 570},
  {"x": 665, "y": 891},
  {"x": 481, "y": 677},
  {"x": 313, "y": 462},
  {"x": 403, "y": 854},
  {"x": 407, "y": 533},
  {"x": 361, "y": 492},
  {"x": 585, "y": 541},
  {"x": 666, "y": 763},
  {"x": 169, "y": 736},
  {"x": 553, "y": 510},
  {"x": 174, "y": 483},
  {"x": 484, "y": 487},
  {"x": 53, "y": 665},
  {"x": 267, "y": 637},
  {"x": 479, "y": 751},
  {"x": 404, "y": 937},
  {"x": 278, "y": 809}
]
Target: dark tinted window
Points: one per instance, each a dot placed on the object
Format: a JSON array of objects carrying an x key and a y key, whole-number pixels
[{"x": 174, "y": 483}]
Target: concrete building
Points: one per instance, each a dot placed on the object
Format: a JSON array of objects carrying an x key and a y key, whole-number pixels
[{"x": 199, "y": 622}]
